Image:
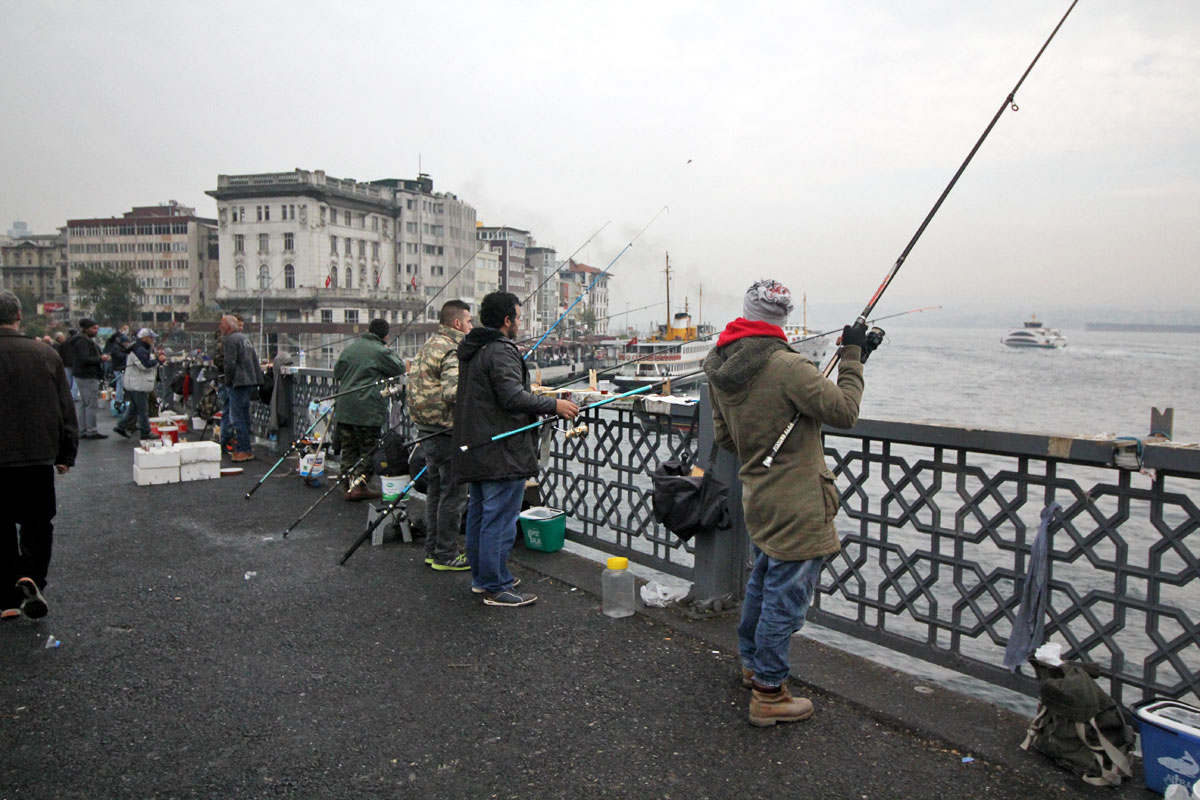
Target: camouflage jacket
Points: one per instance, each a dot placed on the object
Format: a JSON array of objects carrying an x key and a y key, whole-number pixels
[{"x": 433, "y": 380}]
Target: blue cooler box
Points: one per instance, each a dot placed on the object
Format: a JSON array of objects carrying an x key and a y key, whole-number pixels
[{"x": 1170, "y": 743}]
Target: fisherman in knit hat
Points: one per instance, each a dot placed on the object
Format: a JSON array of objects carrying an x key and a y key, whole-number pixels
[{"x": 757, "y": 384}]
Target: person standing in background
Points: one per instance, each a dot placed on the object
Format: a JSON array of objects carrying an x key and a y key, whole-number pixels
[{"x": 88, "y": 363}]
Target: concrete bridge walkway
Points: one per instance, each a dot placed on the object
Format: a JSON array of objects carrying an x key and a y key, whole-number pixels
[{"x": 203, "y": 656}]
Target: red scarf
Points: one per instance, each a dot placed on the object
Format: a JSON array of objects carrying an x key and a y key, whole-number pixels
[{"x": 741, "y": 327}]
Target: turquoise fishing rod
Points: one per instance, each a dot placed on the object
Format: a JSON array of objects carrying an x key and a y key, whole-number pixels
[{"x": 593, "y": 283}]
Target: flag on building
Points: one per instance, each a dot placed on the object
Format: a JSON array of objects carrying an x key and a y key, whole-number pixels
[
  {"x": 328, "y": 278},
  {"x": 413, "y": 283}
]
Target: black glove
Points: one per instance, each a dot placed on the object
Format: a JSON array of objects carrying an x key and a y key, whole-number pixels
[{"x": 855, "y": 335}]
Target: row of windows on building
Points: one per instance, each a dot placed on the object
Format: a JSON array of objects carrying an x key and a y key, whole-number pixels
[
  {"x": 163, "y": 283},
  {"x": 348, "y": 247},
  {"x": 129, "y": 229},
  {"x": 161, "y": 264},
  {"x": 263, "y": 213},
  {"x": 351, "y": 316},
  {"x": 130, "y": 247}
]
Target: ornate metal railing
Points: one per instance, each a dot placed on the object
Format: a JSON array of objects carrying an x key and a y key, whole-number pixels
[{"x": 937, "y": 525}]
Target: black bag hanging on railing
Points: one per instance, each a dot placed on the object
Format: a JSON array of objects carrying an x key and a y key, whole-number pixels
[{"x": 689, "y": 501}]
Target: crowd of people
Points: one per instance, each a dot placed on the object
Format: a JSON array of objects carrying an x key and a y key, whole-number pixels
[{"x": 468, "y": 394}]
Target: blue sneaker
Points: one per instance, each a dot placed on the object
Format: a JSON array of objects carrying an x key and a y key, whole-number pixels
[{"x": 510, "y": 598}]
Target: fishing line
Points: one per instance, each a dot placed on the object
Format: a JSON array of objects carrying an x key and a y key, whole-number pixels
[
  {"x": 566, "y": 260},
  {"x": 1009, "y": 102},
  {"x": 593, "y": 283},
  {"x": 598, "y": 319}
]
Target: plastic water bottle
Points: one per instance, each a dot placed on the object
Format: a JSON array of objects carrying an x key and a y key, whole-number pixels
[{"x": 617, "y": 589}]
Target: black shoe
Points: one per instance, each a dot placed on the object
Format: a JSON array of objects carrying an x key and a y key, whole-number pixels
[
  {"x": 34, "y": 605},
  {"x": 124, "y": 434},
  {"x": 505, "y": 598}
]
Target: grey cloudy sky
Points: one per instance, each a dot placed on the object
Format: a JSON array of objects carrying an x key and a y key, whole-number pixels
[{"x": 819, "y": 134}]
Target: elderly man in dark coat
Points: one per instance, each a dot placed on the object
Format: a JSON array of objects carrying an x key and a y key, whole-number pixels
[
  {"x": 242, "y": 374},
  {"x": 37, "y": 426}
]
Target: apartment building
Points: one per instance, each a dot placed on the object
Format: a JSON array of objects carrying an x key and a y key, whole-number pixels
[
  {"x": 166, "y": 247},
  {"x": 36, "y": 263}
]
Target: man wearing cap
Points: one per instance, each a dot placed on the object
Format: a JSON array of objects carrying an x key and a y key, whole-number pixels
[
  {"x": 88, "y": 363},
  {"x": 360, "y": 414},
  {"x": 141, "y": 370},
  {"x": 37, "y": 427},
  {"x": 757, "y": 383}
]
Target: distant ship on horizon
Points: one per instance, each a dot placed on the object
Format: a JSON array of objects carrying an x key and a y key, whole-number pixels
[{"x": 1141, "y": 327}]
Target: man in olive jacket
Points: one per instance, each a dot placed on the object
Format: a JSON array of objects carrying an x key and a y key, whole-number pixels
[
  {"x": 38, "y": 429},
  {"x": 360, "y": 415},
  {"x": 493, "y": 397},
  {"x": 757, "y": 384}
]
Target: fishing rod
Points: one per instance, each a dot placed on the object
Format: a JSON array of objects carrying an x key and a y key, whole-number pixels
[
  {"x": 872, "y": 321},
  {"x": 603, "y": 272},
  {"x": 597, "y": 319},
  {"x": 1009, "y": 101},
  {"x": 295, "y": 446},
  {"x": 382, "y": 516},
  {"x": 566, "y": 260}
]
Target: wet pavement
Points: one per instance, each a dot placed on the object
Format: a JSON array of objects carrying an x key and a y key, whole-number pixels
[{"x": 204, "y": 656}]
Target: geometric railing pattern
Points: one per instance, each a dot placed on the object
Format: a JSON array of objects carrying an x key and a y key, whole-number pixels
[{"x": 937, "y": 524}]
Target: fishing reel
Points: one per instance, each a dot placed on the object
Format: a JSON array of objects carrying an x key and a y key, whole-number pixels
[
  {"x": 578, "y": 432},
  {"x": 874, "y": 339},
  {"x": 391, "y": 389}
]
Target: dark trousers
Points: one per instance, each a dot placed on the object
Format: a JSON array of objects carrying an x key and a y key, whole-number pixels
[
  {"x": 358, "y": 441},
  {"x": 27, "y": 508},
  {"x": 445, "y": 500},
  {"x": 137, "y": 412}
]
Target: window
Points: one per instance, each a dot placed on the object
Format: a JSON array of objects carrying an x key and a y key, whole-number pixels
[
  {"x": 333, "y": 245},
  {"x": 374, "y": 222},
  {"x": 362, "y": 221},
  {"x": 240, "y": 277},
  {"x": 348, "y": 251},
  {"x": 239, "y": 243},
  {"x": 262, "y": 242},
  {"x": 266, "y": 213},
  {"x": 241, "y": 214},
  {"x": 375, "y": 250},
  {"x": 258, "y": 213},
  {"x": 362, "y": 248},
  {"x": 351, "y": 315},
  {"x": 375, "y": 278},
  {"x": 349, "y": 277},
  {"x": 289, "y": 277},
  {"x": 349, "y": 219},
  {"x": 333, "y": 276},
  {"x": 327, "y": 315},
  {"x": 264, "y": 276},
  {"x": 411, "y": 227},
  {"x": 289, "y": 241}
]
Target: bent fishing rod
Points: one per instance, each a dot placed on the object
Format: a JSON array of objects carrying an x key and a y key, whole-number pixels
[
  {"x": 603, "y": 272},
  {"x": 1009, "y": 102}
]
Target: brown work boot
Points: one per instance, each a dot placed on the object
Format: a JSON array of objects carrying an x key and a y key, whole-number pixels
[
  {"x": 747, "y": 678},
  {"x": 767, "y": 708}
]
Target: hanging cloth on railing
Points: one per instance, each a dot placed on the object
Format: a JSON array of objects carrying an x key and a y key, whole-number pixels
[{"x": 1030, "y": 625}]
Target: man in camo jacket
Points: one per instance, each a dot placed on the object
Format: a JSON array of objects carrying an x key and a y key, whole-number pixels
[{"x": 432, "y": 386}]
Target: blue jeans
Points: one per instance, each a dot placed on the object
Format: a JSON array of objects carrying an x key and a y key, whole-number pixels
[
  {"x": 778, "y": 594},
  {"x": 119, "y": 385},
  {"x": 239, "y": 418},
  {"x": 492, "y": 511}
]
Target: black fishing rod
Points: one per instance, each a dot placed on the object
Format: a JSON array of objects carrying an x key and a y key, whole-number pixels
[
  {"x": 295, "y": 446},
  {"x": 1009, "y": 101},
  {"x": 603, "y": 272},
  {"x": 387, "y": 512}
]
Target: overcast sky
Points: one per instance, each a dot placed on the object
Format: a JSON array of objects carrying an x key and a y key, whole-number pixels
[{"x": 803, "y": 141}]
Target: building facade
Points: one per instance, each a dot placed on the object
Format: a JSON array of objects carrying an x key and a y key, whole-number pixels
[
  {"x": 542, "y": 269},
  {"x": 509, "y": 245},
  {"x": 575, "y": 280},
  {"x": 166, "y": 247},
  {"x": 37, "y": 264},
  {"x": 302, "y": 247}
]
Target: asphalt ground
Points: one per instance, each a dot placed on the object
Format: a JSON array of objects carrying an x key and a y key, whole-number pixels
[{"x": 204, "y": 656}]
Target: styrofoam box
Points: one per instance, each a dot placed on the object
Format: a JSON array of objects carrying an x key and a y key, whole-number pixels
[
  {"x": 197, "y": 423},
  {"x": 194, "y": 452},
  {"x": 154, "y": 476},
  {"x": 200, "y": 471},
  {"x": 156, "y": 457}
]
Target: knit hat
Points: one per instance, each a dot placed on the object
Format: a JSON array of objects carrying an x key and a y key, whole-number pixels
[
  {"x": 144, "y": 332},
  {"x": 767, "y": 301}
]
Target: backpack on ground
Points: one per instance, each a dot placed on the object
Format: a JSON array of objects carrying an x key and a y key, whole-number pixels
[{"x": 1078, "y": 725}]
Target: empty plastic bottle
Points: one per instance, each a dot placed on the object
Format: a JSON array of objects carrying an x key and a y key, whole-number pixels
[{"x": 617, "y": 589}]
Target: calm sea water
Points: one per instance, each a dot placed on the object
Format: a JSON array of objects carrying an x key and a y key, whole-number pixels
[{"x": 1101, "y": 382}]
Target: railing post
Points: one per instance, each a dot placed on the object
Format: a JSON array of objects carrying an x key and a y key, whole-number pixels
[{"x": 720, "y": 557}]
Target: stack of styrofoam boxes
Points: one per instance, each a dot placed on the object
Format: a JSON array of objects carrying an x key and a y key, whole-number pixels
[
  {"x": 199, "y": 461},
  {"x": 186, "y": 461},
  {"x": 155, "y": 466}
]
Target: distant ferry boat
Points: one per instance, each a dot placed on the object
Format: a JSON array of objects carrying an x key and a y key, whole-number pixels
[
  {"x": 803, "y": 341},
  {"x": 1034, "y": 334},
  {"x": 674, "y": 353}
]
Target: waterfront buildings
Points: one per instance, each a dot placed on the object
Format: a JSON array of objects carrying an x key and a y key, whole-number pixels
[
  {"x": 166, "y": 247},
  {"x": 37, "y": 265},
  {"x": 575, "y": 278},
  {"x": 541, "y": 267}
]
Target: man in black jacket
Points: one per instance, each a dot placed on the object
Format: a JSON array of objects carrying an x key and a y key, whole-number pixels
[
  {"x": 493, "y": 397},
  {"x": 37, "y": 426},
  {"x": 88, "y": 363}
]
